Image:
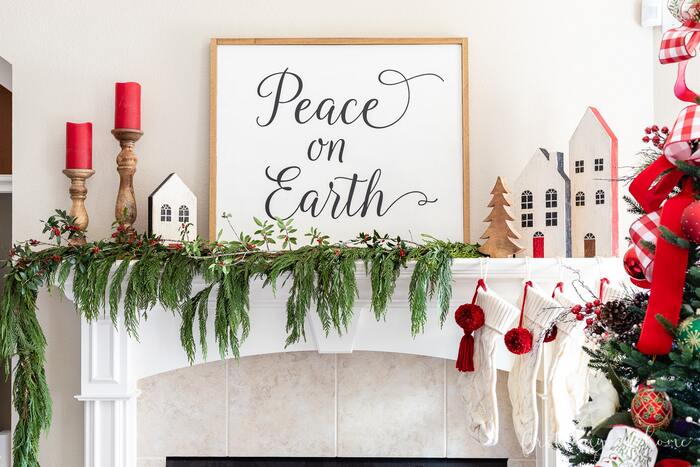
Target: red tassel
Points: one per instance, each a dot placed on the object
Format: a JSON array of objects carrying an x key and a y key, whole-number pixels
[
  {"x": 469, "y": 317},
  {"x": 465, "y": 358}
]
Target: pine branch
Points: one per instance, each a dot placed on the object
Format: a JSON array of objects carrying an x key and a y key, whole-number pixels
[{"x": 137, "y": 272}]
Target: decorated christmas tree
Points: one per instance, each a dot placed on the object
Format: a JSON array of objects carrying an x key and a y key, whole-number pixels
[
  {"x": 500, "y": 236},
  {"x": 647, "y": 345}
]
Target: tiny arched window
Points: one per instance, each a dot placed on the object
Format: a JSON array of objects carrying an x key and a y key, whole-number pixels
[
  {"x": 589, "y": 236},
  {"x": 183, "y": 214},
  {"x": 580, "y": 198},
  {"x": 526, "y": 200},
  {"x": 550, "y": 198},
  {"x": 600, "y": 197},
  {"x": 165, "y": 213},
  {"x": 538, "y": 234}
]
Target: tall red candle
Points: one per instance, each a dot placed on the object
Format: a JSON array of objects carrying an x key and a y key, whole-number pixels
[
  {"x": 78, "y": 145},
  {"x": 127, "y": 106}
]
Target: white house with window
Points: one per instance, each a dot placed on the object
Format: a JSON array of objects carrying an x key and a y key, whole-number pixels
[
  {"x": 172, "y": 205},
  {"x": 550, "y": 221},
  {"x": 543, "y": 210},
  {"x": 594, "y": 226}
]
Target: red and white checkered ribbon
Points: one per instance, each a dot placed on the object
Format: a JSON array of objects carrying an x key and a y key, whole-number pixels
[
  {"x": 644, "y": 233},
  {"x": 653, "y": 188},
  {"x": 679, "y": 44},
  {"x": 686, "y": 129}
]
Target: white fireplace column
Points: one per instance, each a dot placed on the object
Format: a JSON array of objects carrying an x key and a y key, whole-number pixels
[{"x": 109, "y": 392}]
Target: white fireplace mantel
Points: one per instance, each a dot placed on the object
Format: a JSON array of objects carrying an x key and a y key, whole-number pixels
[{"x": 112, "y": 362}]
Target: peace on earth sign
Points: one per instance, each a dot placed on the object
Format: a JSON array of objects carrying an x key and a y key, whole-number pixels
[{"x": 345, "y": 135}]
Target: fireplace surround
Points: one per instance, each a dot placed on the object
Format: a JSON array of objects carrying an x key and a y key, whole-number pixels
[{"x": 113, "y": 364}]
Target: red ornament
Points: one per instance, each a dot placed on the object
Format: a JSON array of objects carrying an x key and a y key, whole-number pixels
[
  {"x": 518, "y": 341},
  {"x": 690, "y": 222},
  {"x": 634, "y": 268},
  {"x": 551, "y": 334},
  {"x": 469, "y": 317},
  {"x": 651, "y": 410}
]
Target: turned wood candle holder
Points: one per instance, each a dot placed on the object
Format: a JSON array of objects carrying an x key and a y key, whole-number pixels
[
  {"x": 78, "y": 193},
  {"x": 125, "y": 209}
]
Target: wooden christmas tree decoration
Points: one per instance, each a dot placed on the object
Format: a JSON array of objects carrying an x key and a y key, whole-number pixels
[{"x": 500, "y": 235}]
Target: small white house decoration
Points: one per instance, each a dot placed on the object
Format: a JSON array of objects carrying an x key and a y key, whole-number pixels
[
  {"x": 572, "y": 212},
  {"x": 543, "y": 210},
  {"x": 171, "y": 205}
]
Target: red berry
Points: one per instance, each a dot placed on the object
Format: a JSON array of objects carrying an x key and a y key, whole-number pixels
[
  {"x": 597, "y": 302},
  {"x": 589, "y": 321},
  {"x": 647, "y": 130},
  {"x": 664, "y": 130},
  {"x": 579, "y": 316},
  {"x": 646, "y": 139},
  {"x": 656, "y": 139},
  {"x": 655, "y": 128},
  {"x": 589, "y": 305},
  {"x": 597, "y": 312}
]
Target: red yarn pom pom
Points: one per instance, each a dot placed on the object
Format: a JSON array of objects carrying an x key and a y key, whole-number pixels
[
  {"x": 518, "y": 341},
  {"x": 469, "y": 317}
]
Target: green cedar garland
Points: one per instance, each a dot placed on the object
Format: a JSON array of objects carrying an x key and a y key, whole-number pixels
[{"x": 141, "y": 272}]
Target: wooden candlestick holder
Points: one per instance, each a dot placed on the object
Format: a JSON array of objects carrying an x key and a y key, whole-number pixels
[
  {"x": 78, "y": 193},
  {"x": 125, "y": 209}
]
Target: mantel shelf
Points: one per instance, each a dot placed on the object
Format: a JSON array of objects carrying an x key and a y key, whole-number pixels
[{"x": 158, "y": 348}]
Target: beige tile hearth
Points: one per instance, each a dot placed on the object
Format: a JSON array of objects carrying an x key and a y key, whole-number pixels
[
  {"x": 182, "y": 412},
  {"x": 522, "y": 463},
  {"x": 459, "y": 443},
  {"x": 151, "y": 462},
  {"x": 390, "y": 405},
  {"x": 282, "y": 405}
]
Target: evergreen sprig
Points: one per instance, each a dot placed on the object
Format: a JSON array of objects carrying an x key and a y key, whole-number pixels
[{"x": 137, "y": 272}]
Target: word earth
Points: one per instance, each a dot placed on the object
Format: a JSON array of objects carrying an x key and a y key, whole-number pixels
[{"x": 339, "y": 204}]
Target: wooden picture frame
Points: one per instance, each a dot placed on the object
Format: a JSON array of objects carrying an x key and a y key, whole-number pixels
[{"x": 460, "y": 41}]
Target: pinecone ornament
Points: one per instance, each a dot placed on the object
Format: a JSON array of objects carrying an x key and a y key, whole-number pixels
[
  {"x": 617, "y": 317},
  {"x": 640, "y": 300}
]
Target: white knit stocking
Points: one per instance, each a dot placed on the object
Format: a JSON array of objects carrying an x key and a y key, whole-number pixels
[
  {"x": 540, "y": 312},
  {"x": 478, "y": 388},
  {"x": 568, "y": 372}
]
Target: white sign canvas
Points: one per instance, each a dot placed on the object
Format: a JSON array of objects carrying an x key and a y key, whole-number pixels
[{"x": 345, "y": 138}]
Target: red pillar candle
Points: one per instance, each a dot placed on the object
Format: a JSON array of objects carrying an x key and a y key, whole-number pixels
[
  {"x": 127, "y": 106},
  {"x": 78, "y": 145}
]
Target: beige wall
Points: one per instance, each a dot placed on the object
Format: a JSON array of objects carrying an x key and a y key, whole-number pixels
[
  {"x": 534, "y": 67},
  {"x": 365, "y": 404}
]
